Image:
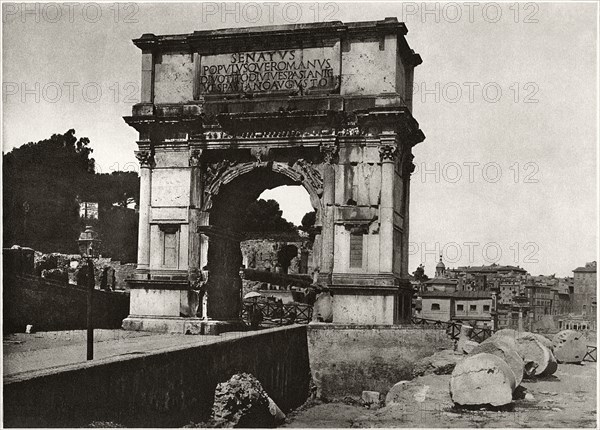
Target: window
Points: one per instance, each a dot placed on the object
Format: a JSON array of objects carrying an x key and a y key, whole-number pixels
[
  {"x": 486, "y": 308},
  {"x": 435, "y": 306},
  {"x": 460, "y": 308},
  {"x": 472, "y": 308},
  {"x": 356, "y": 250}
]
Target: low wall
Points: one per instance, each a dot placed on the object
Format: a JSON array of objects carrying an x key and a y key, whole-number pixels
[
  {"x": 347, "y": 359},
  {"x": 165, "y": 389},
  {"x": 51, "y": 305}
]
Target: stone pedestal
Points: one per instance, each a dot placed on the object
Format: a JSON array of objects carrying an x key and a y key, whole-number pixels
[{"x": 181, "y": 325}]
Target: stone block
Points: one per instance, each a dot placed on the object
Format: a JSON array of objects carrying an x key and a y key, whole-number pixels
[
  {"x": 371, "y": 397},
  {"x": 143, "y": 109},
  {"x": 192, "y": 327},
  {"x": 539, "y": 360},
  {"x": 466, "y": 345},
  {"x": 395, "y": 393},
  {"x": 506, "y": 352},
  {"x": 569, "y": 346},
  {"x": 482, "y": 379}
]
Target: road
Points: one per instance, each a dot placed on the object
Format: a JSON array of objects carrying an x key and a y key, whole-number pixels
[{"x": 51, "y": 351}]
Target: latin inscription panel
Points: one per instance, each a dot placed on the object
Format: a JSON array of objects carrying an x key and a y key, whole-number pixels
[{"x": 298, "y": 71}]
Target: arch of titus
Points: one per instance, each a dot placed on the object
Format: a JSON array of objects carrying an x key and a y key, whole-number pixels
[{"x": 227, "y": 114}]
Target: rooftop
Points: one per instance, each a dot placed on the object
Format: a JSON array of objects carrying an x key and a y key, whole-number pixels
[
  {"x": 588, "y": 268},
  {"x": 491, "y": 268},
  {"x": 443, "y": 281},
  {"x": 458, "y": 294},
  {"x": 273, "y": 36}
]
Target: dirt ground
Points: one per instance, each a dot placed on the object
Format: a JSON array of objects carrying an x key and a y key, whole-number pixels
[{"x": 565, "y": 399}]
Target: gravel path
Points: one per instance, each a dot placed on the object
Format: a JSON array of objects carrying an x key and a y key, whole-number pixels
[{"x": 565, "y": 399}]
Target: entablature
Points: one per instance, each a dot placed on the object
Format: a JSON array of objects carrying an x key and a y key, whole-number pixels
[{"x": 282, "y": 128}]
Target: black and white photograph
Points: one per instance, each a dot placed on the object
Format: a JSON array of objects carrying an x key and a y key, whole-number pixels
[{"x": 300, "y": 214}]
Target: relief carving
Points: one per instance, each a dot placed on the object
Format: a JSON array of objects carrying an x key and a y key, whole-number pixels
[
  {"x": 213, "y": 171},
  {"x": 195, "y": 157},
  {"x": 388, "y": 152},
  {"x": 146, "y": 158},
  {"x": 311, "y": 175},
  {"x": 330, "y": 152}
]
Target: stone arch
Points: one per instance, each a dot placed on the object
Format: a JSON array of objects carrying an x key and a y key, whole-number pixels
[
  {"x": 229, "y": 192},
  {"x": 300, "y": 172}
]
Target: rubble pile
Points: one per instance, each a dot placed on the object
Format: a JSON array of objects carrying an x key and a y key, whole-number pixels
[
  {"x": 440, "y": 363},
  {"x": 241, "y": 402},
  {"x": 493, "y": 369}
]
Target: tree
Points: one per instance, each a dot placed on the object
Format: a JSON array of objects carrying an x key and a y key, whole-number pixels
[
  {"x": 266, "y": 216},
  {"x": 420, "y": 275},
  {"x": 41, "y": 182},
  {"x": 308, "y": 224},
  {"x": 43, "y": 185},
  {"x": 117, "y": 188}
]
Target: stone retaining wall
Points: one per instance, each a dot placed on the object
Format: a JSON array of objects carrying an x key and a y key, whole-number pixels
[
  {"x": 169, "y": 388},
  {"x": 347, "y": 359},
  {"x": 51, "y": 305}
]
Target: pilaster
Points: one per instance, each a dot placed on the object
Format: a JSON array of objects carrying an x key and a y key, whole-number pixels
[{"x": 146, "y": 159}]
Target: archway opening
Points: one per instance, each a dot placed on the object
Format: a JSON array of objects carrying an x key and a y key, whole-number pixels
[{"x": 256, "y": 240}]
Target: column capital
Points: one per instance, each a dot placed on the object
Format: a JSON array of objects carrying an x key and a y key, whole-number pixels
[
  {"x": 388, "y": 152},
  {"x": 146, "y": 159},
  {"x": 195, "y": 157},
  {"x": 330, "y": 150}
]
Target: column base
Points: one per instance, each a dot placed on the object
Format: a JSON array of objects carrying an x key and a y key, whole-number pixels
[{"x": 181, "y": 325}]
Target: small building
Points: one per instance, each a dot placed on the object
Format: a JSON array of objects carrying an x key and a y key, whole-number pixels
[
  {"x": 460, "y": 306},
  {"x": 441, "y": 284}
]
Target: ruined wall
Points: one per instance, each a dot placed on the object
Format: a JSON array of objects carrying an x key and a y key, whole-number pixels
[
  {"x": 345, "y": 359},
  {"x": 71, "y": 264},
  {"x": 51, "y": 305},
  {"x": 165, "y": 389},
  {"x": 261, "y": 254}
]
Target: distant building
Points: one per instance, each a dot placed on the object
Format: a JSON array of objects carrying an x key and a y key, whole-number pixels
[
  {"x": 584, "y": 290},
  {"x": 483, "y": 278},
  {"x": 540, "y": 299},
  {"x": 463, "y": 306},
  {"x": 578, "y": 322},
  {"x": 441, "y": 284},
  {"x": 508, "y": 289},
  {"x": 440, "y": 269},
  {"x": 563, "y": 291}
]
